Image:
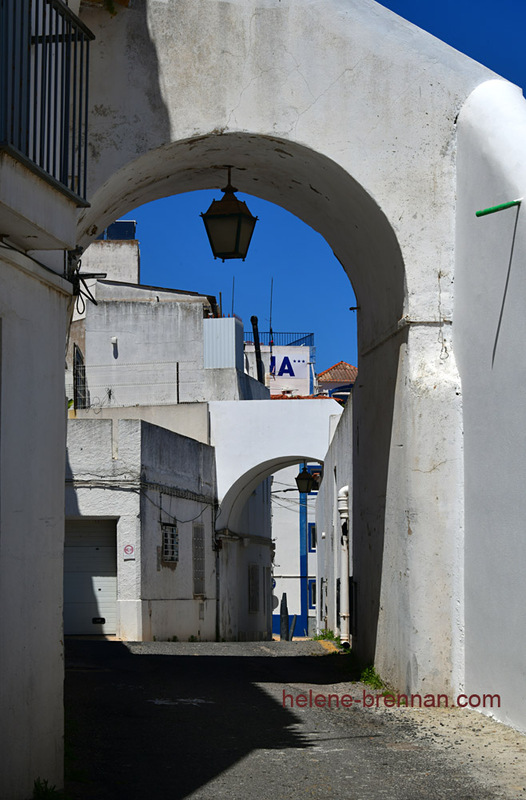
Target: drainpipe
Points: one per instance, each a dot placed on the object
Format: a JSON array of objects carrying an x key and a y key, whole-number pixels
[
  {"x": 259, "y": 361},
  {"x": 343, "y": 511}
]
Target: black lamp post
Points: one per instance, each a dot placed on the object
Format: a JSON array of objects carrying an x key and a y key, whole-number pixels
[
  {"x": 305, "y": 481},
  {"x": 229, "y": 225}
]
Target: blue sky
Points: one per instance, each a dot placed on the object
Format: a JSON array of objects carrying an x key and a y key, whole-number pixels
[{"x": 284, "y": 248}]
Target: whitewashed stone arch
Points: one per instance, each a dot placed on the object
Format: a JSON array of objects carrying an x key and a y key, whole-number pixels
[
  {"x": 347, "y": 116},
  {"x": 255, "y": 439}
]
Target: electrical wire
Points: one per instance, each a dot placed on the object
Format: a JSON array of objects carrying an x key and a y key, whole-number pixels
[
  {"x": 142, "y": 491},
  {"x": 120, "y": 487},
  {"x": 284, "y": 504},
  {"x": 294, "y": 509}
]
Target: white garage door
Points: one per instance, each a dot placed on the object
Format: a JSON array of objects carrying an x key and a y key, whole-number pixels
[{"x": 90, "y": 576}]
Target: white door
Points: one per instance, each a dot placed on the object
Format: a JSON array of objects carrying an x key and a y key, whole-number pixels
[{"x": 90, "y": 576}]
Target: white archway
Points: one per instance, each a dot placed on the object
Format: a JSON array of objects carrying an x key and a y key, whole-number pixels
[
  {"x": 254, "y": 439},
  {"x": 345, "y": 115}
]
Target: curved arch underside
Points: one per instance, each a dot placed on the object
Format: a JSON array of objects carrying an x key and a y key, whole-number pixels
[
  {"x": 254, "y": 439},
  {"x": 231, "y": 509},
  {"x": 306, "y": 183}
]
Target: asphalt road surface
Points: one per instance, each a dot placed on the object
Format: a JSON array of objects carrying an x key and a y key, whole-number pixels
[{"x": 210, "y": 721}]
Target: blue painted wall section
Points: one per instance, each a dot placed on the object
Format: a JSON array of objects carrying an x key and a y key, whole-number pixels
[
  {"x": 307, "y": 543},
  {"x": 302, "y": 624}
]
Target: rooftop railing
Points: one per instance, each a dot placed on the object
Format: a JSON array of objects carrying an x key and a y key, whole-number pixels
[
  {"x": 44, "y": 65},
  {"x": 282, "y": 339}
]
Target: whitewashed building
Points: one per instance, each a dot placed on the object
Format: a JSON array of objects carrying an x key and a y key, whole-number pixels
[
  {"x": 42, "y": 185},
  {"x": 337, "y": 598},
  {"x": 288, "y": 362},
  {"x": 143, "y": 365},
  {"x": 140, "y": 555}
]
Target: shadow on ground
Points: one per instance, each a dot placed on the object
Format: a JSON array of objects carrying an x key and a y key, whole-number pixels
[{"x": 149, "y": 725}]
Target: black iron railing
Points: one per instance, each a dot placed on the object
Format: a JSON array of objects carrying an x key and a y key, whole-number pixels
[
  {"x": 44, "y": 65},
  {"x": 282, "y": 339}
]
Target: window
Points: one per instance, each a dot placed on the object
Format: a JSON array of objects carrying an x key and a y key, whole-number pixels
[
  {"x": 253, "y": 588},
  {"x": 198, "y": 553},
  {"x": 312, "y": 539},
  {"x": 312, "y": 592},
  {"x": 170, "y": 551},
  {"x": 80, "y": 390}
]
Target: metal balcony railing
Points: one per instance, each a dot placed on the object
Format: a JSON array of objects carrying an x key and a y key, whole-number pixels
[
  {"x": 44, "y": 64},
  {"x": 282, "y": 339}
]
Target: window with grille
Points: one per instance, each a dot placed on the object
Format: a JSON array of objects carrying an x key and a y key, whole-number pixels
[
  {"x": 253, "y": 588},
  {"x": 80, "y": 389},
  {"x": 170, "y": 550},
  {"x": 198, "y": 553}
]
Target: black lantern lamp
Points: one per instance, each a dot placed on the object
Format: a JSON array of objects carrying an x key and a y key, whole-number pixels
[
  {"x": 229, "y": 225},
  {"x": 305, "y": 481}
]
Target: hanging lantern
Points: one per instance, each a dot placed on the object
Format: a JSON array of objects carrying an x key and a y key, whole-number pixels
[
  {"x": 229, "y": 225},
  {"x": 305, "y": 481}
]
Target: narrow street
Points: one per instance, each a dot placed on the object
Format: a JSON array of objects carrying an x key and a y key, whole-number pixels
[{"x": 206, "y": 721}]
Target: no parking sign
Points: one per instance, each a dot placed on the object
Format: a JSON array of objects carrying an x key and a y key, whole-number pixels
[{"x": 129, "y": 552}]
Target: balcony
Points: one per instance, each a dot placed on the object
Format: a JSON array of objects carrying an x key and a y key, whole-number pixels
[{"x": 44, "y": 65}]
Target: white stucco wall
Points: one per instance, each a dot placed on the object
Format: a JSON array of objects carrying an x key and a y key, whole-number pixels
[
  {"x": 490, "y": 329},
  {"x": 145, "y": 346},
  {"x": 33, "y": 316},
  {"x": 414, "y": 567},
  {"x": 189, "y": 419},
  {"x": 141, "y": 369},
  {"x": 251, "y": 549},
  {"x": 237, "y": 622},
  {"x": 32, "y": 215},
  {"x": 120, "y": 260},
  {"x": 180, "y": 465},
  {"x": 337, "y": 473}
]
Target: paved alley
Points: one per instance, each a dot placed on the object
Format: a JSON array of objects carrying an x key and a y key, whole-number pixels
[{"x": 207, "y": 721}]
